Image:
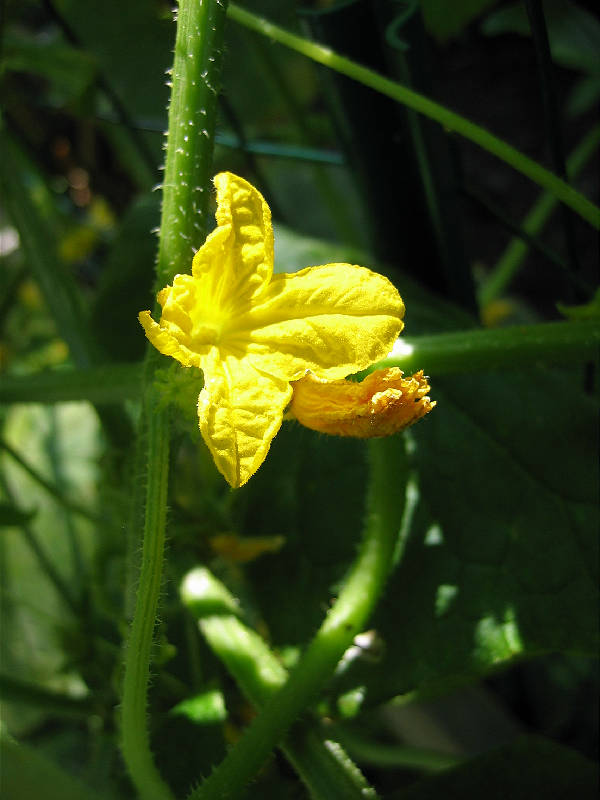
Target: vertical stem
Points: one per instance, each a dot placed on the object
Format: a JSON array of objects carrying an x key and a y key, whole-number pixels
[
  {"x": 192, "y": 115},
  {"x": 192, "y": 111},
  {"x": 135, "y": 739}
]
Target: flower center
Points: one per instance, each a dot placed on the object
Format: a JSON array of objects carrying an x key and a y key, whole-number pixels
[{"x": 205, "y": 333}]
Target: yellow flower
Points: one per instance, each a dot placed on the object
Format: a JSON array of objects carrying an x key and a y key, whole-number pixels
[
  {"x": 252, "y": 332},
  {"x": 241, "y": 550},
  {"x": 384, "y": 403}
]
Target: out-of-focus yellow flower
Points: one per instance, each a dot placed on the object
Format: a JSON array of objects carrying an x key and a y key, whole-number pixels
[
  {"x": 241, "y": 550},
  {"x": 78, "y": 243},
  {"x": 497, "y": 312},
  {"x": 252, "y": 332},
  {"x": 384, "y": 403}
]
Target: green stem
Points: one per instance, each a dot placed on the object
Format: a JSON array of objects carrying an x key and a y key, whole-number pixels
[
  {"x": 389, "y": 756},
  {"x": 348, "y": 615},
  {"x": 517, "y": 347},
  {"x": 547, "y": 342},
  {"x": 449, "y": 119},
  {"x": 192, "y": 111},
  {"x": 293, "y": 152},
  {"x": 190, "y": 138},
  {"x": 110, "y": 384},
  {"x": 136, "y": 514},
  {"x": 326, "y": 771},
  {"x": 512, "y": 257},
  {"x": 135, "y": 740}
]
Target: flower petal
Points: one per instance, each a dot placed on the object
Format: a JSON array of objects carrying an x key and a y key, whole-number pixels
[
  {"x": 238, "y": 254},
  {"x": 332, "y": 320},
  {"x": 165, "y": 342},
  {"x": 239, "y": 410},
  {"x": 384, "y": 403}
]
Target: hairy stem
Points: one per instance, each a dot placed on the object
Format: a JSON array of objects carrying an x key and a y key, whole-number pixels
[
  {"x": 361, "y": 590},
  {"x": 518, "y": 346},
  {"x": 326, "y": 771},
  {"x": 192, "y": 110}
]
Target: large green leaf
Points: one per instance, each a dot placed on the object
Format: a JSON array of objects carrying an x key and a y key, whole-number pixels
[
  {"x": 501, "y": 563},
  {"x": 531, "y": 767}
]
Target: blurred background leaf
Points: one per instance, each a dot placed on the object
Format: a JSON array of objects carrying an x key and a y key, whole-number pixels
[{"x": 574, "y": 34}]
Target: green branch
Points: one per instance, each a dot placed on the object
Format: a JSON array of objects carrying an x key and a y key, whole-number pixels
[
  {"x": 463, "y": 351},
  {"x": 448, "y": 119},
  {"x": 347, "y": 617},
  {"x": 517, "y": 347},
  {"x": 98, "y": 385},
  {"x": 326, "y": 771}
]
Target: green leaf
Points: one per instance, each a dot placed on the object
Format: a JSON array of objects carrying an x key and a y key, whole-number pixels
[
  {"x": 583, "y": 96},
  {"x": 501, "y": 563},
  {"x": 531, "y": 767},
  {"x": 574, "y": 33},
  {"x": 12, "y": 515},
  {"x": 131, "y": 43},
  {"x": 69, "y": 71},
  {"x": 445, "y": 20},
  {"x": 590, "y": 310},
  {"x": 27, "y": 774},
  {"x": 501, "y": 557},
  {"x": 205, "y": 708}
]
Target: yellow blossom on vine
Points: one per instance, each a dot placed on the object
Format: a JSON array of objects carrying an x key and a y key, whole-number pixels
[
  {"x": 384, "y": 403},
  {"x": 253, "y": 332}
]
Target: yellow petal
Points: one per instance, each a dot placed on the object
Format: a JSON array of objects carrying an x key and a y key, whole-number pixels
[
  {"x": 381, "y": 405},
  {"x": 238, "y": 254},
  {"x": 239, "y": 410},
  {"x": 332, "y": 320},
  {"x": 165, "y": 342}
]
